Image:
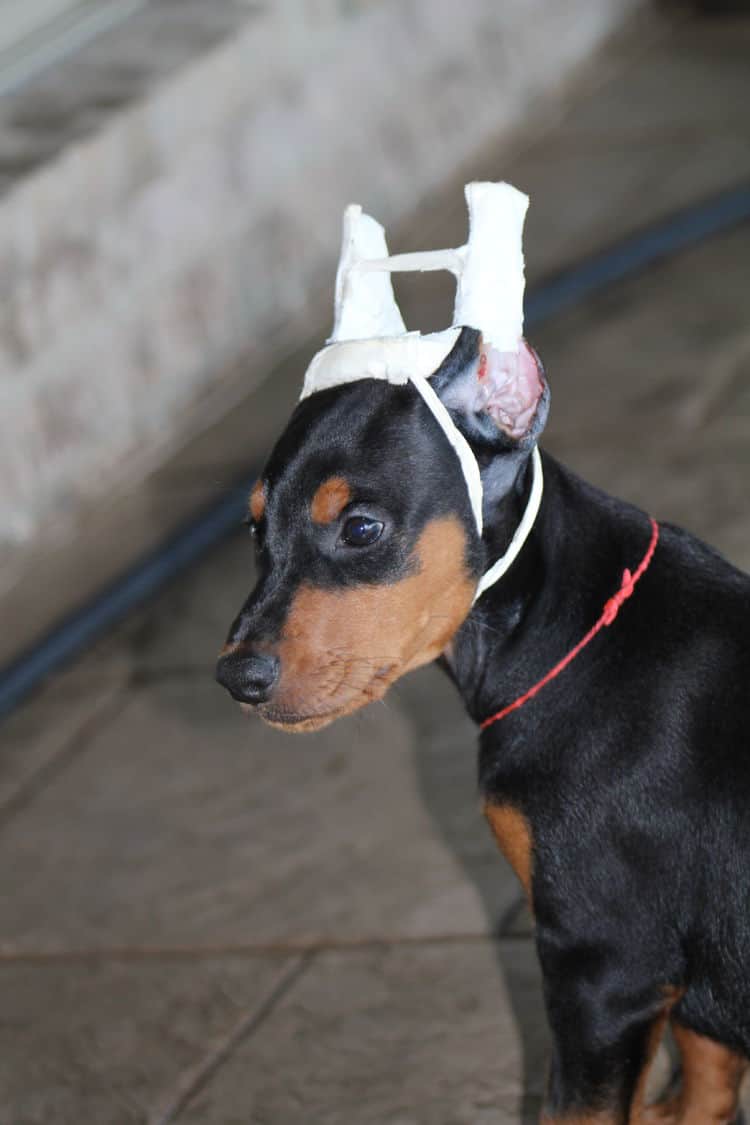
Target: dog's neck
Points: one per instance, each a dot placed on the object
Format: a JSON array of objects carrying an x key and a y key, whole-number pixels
[
  {"x": 572, "y": 561},
  {"x": 499, "y": 613}
]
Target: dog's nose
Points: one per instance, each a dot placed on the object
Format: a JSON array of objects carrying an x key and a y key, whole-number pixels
[{"x": 248, "y": 679}]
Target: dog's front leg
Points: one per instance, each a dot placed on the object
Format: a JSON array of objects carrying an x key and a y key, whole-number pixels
[{"x": 605, "y": 1032}]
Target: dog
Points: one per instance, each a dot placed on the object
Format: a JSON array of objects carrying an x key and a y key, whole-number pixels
[{"x": 608, "y": 670}]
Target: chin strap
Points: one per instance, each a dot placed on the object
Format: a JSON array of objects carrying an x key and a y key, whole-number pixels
[
  {"x": 521, "y": 534},
  {"x": 462, "y": 449},
  {"x": 473, "y": 479}
]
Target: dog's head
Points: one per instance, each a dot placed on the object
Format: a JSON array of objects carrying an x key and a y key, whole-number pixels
[{"x": 367, "y": 548}]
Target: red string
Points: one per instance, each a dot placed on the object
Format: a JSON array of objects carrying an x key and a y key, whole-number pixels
[{"x": 609, "y": 613}]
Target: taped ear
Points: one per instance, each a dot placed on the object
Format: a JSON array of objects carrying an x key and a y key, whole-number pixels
[{"x": 501, "y": 398}]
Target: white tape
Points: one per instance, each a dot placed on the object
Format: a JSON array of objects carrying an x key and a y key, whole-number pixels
[{"x": 370, "y": 341}]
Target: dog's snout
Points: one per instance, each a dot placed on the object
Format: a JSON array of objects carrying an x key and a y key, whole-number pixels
[{"x": 248, "y": 678}]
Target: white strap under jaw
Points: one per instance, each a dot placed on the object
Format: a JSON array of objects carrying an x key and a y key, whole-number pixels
[
  {"x": 461, "y": 446},
  {"x": 521, "y": 534},
  {"x": 474, "y": 485}
]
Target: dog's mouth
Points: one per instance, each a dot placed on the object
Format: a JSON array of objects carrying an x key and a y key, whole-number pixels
[{"x": 295, "y": 720}]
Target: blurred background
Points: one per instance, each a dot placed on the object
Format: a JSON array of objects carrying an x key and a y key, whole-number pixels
[{"x": 203, "y": 920}]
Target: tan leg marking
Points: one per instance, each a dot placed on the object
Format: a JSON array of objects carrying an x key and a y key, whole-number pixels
[
  {"x": 330, "y": 499},
  {"x": 257, "y": 503},
  {"x": 639, "y": 1114},
  {"x": 711, "y": 1078},
  {"x": 513, "y": 835}
]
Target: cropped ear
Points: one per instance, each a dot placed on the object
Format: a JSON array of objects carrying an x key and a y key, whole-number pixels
[{"x": 500, "y": 399}]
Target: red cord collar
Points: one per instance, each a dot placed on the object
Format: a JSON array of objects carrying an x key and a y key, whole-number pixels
[{"x": 609, "y": 613}]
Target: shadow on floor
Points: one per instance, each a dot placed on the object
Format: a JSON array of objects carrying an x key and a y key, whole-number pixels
[{"x": 445, "y": 764}]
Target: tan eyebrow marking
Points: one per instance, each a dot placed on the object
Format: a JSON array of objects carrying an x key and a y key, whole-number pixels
[
  {"x": 330, "y": 499},
  {"x": 257, "y": 503}
]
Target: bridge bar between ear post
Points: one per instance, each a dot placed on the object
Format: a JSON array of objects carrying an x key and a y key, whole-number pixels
[{"x": 423, "y": 261}]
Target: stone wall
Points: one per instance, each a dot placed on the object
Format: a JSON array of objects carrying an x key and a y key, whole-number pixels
[{"x": 203, "y": 222}]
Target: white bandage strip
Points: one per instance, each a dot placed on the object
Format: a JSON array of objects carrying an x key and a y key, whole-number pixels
[
  {"x": 420, "y": 261},
  {"x": 370, "y": 340},
  {"x": 473, "y": 480},
  {"x": 468, "y": 461},
  {"x": 521, "y": 534}
]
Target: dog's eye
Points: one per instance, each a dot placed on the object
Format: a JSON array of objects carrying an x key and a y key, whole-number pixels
[
  {"x": 359, "y": 531},
  {"x": 257, "y": 534}
]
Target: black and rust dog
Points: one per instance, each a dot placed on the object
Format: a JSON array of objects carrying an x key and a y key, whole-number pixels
[{"x": 619, "y": 791}]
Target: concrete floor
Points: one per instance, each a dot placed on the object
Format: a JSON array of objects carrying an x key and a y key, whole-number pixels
[{"x": 207, "y": 921}]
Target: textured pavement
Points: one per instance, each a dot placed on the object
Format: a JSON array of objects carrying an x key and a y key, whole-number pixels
[{"x": 207, "y": 921}]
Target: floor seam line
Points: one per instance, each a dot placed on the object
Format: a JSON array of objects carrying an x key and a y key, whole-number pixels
[
  {"x": 271, "y": 949},
  {"x": 192, "y": 1080}
]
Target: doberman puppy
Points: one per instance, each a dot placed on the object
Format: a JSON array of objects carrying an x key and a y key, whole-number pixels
[{"x": 620, "y": 792}]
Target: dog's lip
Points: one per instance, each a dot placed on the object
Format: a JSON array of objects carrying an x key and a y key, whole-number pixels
[{"x": 281, "y": 718}]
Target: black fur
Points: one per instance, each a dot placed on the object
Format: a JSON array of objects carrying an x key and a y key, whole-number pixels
[{"x": 632, "y": 768}]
